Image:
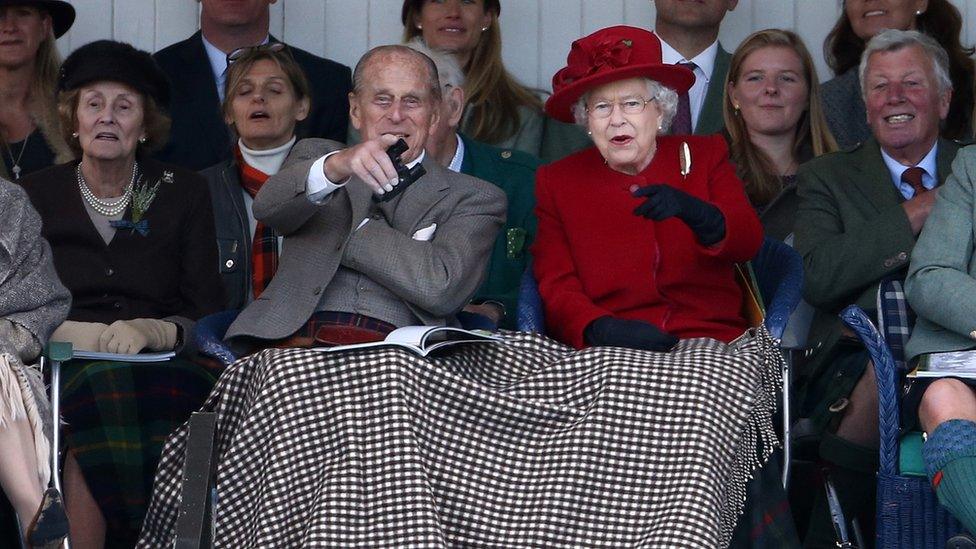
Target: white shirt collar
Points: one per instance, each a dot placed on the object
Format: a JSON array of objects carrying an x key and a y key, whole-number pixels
[
  {"x": 704, "y": 60},
  {"x": 455, "y": 165},
  {"x": 928, "y": 163},
  {"x": 418, "y": 160},
  {"x": 218, "y": 62}
]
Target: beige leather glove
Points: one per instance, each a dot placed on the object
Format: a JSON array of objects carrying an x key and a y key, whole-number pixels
[
  {"x": 83, "y": 336},
  {"x": 128, "y": 337}
]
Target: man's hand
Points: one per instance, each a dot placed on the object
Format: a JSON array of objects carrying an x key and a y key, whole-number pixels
[
  {"x": 918, "y": 209},
  {"x": 490, "y": 310},
  {"x": 368, "y": 161}
]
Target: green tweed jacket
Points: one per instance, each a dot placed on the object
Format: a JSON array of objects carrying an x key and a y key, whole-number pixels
[
  {"x": 851, "y": 232},
  {"x": 941, "y": 283},
  {"x": 514, "y": 172},
  {"x": 710, "y": 118}
]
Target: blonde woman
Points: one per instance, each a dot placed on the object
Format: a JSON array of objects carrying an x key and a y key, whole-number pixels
[
  {"x": 29, "y": 62},
  {"x": 501, "y": 111},
  {"x": 775, "y": 122}
]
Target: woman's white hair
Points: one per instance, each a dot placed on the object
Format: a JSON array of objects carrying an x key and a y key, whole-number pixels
[{"x": 667, "y": 103}]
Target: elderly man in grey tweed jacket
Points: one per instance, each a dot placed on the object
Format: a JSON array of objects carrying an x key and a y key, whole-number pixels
[{"x": 414, "y": 259}]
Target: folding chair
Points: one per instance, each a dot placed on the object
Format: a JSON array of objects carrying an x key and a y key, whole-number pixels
[{"x": 54, "y": 354}]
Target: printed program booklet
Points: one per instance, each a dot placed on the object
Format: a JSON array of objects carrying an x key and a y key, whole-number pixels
[
  {"x": 950, "y": 364},
  {"x": 422, "y": 340},
  {"x": 141, "y": 357}
]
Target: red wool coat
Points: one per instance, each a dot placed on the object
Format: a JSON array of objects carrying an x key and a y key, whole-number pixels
[{"x": 593, "y": 257}]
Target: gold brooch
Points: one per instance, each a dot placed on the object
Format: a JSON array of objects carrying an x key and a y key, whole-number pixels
[{"x": 684, "y": 156}]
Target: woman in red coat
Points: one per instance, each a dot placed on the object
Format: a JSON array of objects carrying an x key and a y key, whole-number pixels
[{"x": 638, "y": 236}]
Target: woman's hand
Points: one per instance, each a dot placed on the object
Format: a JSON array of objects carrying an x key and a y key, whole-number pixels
[
  {"x": 128, "y": 337},
  {"x": 633, "y": 334},
  {"x": 664, "y": 201},
  {"x": 83, "y": 336}
]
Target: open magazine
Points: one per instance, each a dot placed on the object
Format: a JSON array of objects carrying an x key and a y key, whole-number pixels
[
  {"x": 141, "y": 357},
  {"x": 949, "y": 364},
  {"x": 422, "y": 340}
]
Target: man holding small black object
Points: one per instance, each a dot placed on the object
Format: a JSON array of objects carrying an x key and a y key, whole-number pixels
[{"x": 357, "y": 265}]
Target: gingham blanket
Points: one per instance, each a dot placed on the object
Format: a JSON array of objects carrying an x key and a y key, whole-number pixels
[{"x": 522, "y": 444}]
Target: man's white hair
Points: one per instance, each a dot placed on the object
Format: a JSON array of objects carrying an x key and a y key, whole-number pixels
[
  {"x": 894, "y": 40},
  {"x": 448, "y": 70}
]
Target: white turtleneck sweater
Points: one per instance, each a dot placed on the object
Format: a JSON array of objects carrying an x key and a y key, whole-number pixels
[{"x": 268, "y": 161}]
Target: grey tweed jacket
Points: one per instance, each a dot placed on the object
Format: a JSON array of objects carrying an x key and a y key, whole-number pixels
[
  {"x": 33, "y": 302},
  {"x": 434, "y": 278},
  {"x": 941, "y": 283}
]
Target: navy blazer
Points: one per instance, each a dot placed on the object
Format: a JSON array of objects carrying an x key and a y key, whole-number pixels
[{"x": 199, "y": 138}]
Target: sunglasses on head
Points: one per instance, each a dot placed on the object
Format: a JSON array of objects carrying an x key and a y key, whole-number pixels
[{"x": 273, "y": 47}]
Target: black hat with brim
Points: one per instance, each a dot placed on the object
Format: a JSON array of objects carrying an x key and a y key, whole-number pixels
[
  {"x": 62, "y": 13},
  {"x": 107, "y": 60}
]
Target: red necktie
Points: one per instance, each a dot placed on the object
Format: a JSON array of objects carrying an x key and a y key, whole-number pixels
[
  {"x": 913, "y": 176},
  {"x": 264, "y": 246},
  {"x": 682, "y": 119}
]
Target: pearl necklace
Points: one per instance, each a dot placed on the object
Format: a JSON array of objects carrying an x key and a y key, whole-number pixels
[{"x": 107, "y": 207}]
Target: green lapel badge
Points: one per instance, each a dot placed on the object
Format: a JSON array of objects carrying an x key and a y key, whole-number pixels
[{"x": 514, "y": 242}]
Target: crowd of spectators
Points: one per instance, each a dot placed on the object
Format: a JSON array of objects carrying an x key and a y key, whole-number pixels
[{"x": 213, "y": 175}]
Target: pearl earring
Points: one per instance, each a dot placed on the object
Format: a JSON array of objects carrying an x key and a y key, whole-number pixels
[
  {"x": 420, "y": 27},
  {"x": 589, "y": 133},
  {"x": 918, "y": 12},
  {"x": 142, "y": 139},
  {"x": 483, "y": 29},
  {"x": 74, "y": 135}
]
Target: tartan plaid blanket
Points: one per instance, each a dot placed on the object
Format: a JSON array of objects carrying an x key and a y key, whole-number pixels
[{"x": 523, "y": 444}]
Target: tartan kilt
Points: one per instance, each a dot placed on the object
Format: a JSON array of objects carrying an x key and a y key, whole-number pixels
[{"x": 118, "y": 415}]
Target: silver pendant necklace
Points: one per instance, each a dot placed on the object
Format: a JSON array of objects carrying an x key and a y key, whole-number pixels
[
  {"x": 15, "y": 169},
  {"x": 109, "y": 207}
]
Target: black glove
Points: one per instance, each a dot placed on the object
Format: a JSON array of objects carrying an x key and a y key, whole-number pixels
[
  {"x": 664, "y": 201},
  {"x": 633, "y": 334}
]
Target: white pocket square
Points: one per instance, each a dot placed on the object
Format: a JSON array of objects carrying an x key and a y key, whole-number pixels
[{"x": 426, "y": 233}]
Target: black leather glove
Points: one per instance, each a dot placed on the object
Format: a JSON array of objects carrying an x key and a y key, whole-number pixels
[
  {"x": 633, "y": 334},
  {"x": 664, "y": 201}
]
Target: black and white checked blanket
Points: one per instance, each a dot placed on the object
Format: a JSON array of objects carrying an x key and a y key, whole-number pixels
[{"x": 523, "y": 444}]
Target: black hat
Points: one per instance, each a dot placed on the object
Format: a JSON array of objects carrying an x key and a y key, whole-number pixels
[
  {"x": 490, "y": 5},
  {"x": 115, "y": 62},
  {"x": 62, "y": 13}
]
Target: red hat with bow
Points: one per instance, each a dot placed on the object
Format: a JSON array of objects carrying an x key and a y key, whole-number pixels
[{"x": 608, "y": 55}]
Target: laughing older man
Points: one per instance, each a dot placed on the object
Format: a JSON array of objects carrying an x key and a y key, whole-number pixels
[
  {"x": 355, "y": 267},
  {"x": 859, "y": 216}
]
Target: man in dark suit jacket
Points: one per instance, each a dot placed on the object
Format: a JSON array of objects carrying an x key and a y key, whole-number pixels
[
  {"x": 689, "y": 34},
  {"x": 199, "y": 137},
  {"x": 859, "y": 216}
]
